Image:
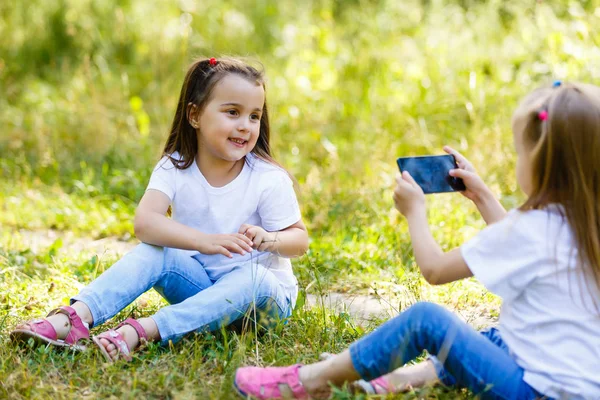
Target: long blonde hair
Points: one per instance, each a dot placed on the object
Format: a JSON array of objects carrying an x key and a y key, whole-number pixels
[{"x": 561, "y": 133}]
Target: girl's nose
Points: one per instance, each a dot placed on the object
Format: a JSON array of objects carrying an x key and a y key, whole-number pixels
[{"x": 243, "y": 126}]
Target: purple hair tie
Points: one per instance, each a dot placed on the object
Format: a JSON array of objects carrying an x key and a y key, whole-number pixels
[{"x": 543, "y": 115}]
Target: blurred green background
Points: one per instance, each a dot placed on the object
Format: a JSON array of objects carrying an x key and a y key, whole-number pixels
[{"x": 88, "y": 90}]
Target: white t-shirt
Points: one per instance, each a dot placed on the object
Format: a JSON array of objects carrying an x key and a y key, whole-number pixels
[
  {"x": 262, "y": 194},
  {"x": 548, "y": 318}
]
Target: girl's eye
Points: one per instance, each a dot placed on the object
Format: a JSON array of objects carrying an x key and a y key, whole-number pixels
[
  {"x": 232, "y": 112},
  {"x": 255, "y": 117}
]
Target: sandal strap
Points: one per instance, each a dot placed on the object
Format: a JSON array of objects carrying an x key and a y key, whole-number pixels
[
  {"x": 44, "y": 328},
  {"x": 381, "y": 385},
  {"x": 141, "y": 332},
  {"x": 79, "y": 329},
  {"x": 117, "y": 340},
  {"x": 291, "y": 378}
]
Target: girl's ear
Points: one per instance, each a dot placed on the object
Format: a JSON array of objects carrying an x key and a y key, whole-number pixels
[{"x": 193, "y": 115}]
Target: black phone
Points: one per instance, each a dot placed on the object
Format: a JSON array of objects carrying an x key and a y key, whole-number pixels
[{"x": 432, "y": 173}]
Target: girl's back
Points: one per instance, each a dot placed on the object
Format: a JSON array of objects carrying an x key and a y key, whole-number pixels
[{"x": 549, "y": 318}]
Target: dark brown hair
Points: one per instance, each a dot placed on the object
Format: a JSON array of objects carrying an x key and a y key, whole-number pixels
[
  {"x": 199, "y": 82},
  {"x": 564, "y": 150}
]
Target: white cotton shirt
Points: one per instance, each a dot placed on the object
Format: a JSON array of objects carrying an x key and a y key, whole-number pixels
[
  {"x": 548, "y": 318},
  {"x": 262, "y": 194}
]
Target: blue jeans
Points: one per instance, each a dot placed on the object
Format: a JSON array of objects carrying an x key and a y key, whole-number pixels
[
  {"x": 198, "y": 302},
  {"x": 462, "y": 356}
]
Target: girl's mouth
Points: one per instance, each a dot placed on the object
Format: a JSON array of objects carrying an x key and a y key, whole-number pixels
[{"x": 238, "y": 142}]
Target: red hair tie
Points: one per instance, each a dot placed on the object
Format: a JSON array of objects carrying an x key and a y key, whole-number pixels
[
  {"x": 212, "y": 61},
  {"x": 543, "y": 115}
]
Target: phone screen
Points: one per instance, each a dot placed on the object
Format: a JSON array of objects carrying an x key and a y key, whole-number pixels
[{"x": 432, "y": 173}]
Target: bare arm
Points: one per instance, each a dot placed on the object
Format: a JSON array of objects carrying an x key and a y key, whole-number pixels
[
  {"x": 489, "y": 207},
  {"x": 436, "y": 266},
  {"x": 289, "y": 242},
  {"x": 152, "y": 226}
]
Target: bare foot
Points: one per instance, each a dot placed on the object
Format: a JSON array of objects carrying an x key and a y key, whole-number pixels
[
  {"x": 131, "y": 337},
  {"x": 401, "y": 380}
]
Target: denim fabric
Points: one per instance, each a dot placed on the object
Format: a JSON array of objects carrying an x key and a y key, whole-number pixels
[
  {"x": 463, "y": 357},
  {"x": 198, "y": 302}
]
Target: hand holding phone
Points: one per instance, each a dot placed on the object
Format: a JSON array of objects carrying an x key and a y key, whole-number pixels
[
  {"x": 475, "y": 187},
  {"x": 477, "y": 191},
  {"x": 431, "y": 173}
]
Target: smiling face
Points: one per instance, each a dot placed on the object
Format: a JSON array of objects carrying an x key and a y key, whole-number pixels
[{"x": 229, "y": 124}]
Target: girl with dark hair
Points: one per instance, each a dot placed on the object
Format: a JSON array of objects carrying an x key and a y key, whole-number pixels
[{"x": 225, "y": 252}]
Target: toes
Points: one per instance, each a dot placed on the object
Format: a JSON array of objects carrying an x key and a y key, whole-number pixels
[
  {"x": 113, "y": 353},
  {"x": 110, "y": 348}
]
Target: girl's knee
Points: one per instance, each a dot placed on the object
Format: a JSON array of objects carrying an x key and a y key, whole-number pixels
[
  {"x": 424, "y": 307},
  {"x": 426, "y": 311},
  {"x": 147, "y": 251},
  {"x": 257, "y": 280}
]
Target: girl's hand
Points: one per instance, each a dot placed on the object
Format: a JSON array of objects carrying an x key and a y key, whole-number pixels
[
  {"x": 261, "y": 239},
  {"x": 476, "y": 188},
  {"x": 408, "y": 195},
  {"x": 477, "y": 191},
  {"x": 224, "y": 244}
]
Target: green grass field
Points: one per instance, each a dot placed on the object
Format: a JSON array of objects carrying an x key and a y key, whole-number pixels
[{"x": 88, "y": 91}]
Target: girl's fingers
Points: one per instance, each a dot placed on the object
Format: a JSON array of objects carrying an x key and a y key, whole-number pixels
[
  {"x": 398, "y": 178},
  {"x": 244, "y": 228},
  {"x": 251, "y": 237},
  {"x": 246, "y": 237},
  {"x": 460, "y": 173},
  {"x": 236, "y": 248},
  {"x": 402, "y": 181},
  {"x": 244, "y": 245},
  {"x": 406, "y": 176},
  {"x": 243, "y": 241},
  {"x": 460, "y": 159},
  {"x": 405, "y": 184},
  {"x": 262, "y": 247},
  {"x": 465, "y": 175},
  {"x": 222, "y": 250}
]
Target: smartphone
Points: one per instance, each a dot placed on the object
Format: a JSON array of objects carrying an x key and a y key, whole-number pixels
[{"x": 432, "y": 173}]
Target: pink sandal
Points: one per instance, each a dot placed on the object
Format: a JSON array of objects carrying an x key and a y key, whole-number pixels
[
  {"x": 118, "y": 341},
  {"x": 42, "y": 331},
  {"x": 263, "y": 383}
]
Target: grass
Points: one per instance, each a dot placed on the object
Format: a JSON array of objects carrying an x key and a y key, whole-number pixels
[
  {"x": 201, "y": 366},
  {"x": 89, "y": 88}
]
